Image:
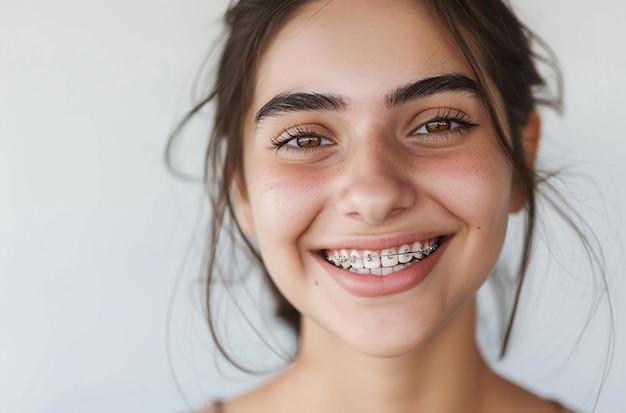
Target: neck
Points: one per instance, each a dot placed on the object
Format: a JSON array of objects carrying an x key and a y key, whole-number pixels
[{"x": 446, "y": 374}]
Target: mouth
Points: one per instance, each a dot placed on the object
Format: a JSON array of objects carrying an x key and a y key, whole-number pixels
[{"x": 383, "y": 262}]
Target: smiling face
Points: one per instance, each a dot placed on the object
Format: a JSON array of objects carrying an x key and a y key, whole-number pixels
[{"x": 374, "y": 182}]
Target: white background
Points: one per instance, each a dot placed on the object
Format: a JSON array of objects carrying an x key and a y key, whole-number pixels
[{"x": 94, "y": 233}]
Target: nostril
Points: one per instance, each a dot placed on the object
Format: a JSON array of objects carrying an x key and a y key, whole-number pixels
[{"x": 396, "y": 211}]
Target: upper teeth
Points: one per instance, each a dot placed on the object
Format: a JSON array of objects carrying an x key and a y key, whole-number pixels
[{"x": 390, "y": 257}]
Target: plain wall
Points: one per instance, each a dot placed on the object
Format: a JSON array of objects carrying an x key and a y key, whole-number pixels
[{"x": 100, "y": 247}]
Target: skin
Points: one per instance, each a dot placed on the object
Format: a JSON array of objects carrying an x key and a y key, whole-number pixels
[{"x": 373, "y": 182}]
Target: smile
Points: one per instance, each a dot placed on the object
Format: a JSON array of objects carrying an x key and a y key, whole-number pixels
[{"x": 382, "y": 262}]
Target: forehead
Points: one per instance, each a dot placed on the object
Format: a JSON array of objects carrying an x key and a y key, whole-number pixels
[{"x": 360, "y": 49}]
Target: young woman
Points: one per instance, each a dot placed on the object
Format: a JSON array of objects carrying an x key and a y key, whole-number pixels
[{"x": 370, "y": 153}]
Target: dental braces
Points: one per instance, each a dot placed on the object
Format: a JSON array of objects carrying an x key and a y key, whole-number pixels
[{"x": 370, "y": 257}]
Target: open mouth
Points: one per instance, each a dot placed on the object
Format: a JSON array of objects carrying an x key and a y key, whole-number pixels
[{"x": 383, "y": 262}]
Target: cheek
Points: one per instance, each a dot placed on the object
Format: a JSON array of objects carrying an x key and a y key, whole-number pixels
[
  {"x": 283, "y": 205},
  {"x": 474, "y": 188},
  {"x": 283, "y": 202},
  {"x": 475, "y": 185},
  {"x": 479, "y": 197}
]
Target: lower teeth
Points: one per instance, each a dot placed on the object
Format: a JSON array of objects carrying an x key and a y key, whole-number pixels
[{"x": 382, "y": 271}]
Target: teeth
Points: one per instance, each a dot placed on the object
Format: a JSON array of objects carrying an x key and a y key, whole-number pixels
[
  {"x": 418, "y": 251},
  {"x": 345, "y": 263},
  {"x": 355, "y": 260},
  {"x": 377, "y": 271},
  {"x": 370, "y": 259},
  {"x": 386, "y": 261},
  {"x": 405, "y": 255},
  {"x": 389, "y": 257}
]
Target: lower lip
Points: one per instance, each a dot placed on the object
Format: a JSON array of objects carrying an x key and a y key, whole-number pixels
[{"x": 361, "y": 285}]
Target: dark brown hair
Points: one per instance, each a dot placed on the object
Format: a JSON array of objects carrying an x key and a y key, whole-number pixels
[{"x": 496, "y": 45}]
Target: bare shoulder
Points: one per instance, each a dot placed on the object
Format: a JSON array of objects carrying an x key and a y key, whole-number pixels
[
  {"x": 507, "y": 396},
  {"x": 238, "y": 406},
  {"x": 275, "y": 396}
]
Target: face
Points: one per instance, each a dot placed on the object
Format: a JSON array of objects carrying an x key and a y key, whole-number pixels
[{"x": 367, "y": 142}]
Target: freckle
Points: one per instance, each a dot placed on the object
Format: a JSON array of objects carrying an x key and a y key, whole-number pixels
[
  {"x": 478, "y": 227},
  {"x": 315, "y": 282}
]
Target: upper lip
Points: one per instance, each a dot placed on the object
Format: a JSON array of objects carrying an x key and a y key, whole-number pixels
[{"x": 382, "y": 241}]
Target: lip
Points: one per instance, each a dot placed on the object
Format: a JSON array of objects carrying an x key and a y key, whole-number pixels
[
  {"x": 376, "y": 286},
  {"x": 380, "y": 243}
]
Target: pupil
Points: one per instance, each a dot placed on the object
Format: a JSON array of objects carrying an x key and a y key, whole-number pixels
[
  {"x": 308, "y": 141},
  {"x": 438, "y": 126}
]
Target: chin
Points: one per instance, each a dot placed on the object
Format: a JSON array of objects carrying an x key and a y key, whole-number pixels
[
  {"x": 390, "y": 343},
  {"x": 391, "y": 352}
]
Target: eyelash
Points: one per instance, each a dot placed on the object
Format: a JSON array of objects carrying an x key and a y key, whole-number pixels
[
  {"x": 454, "y": 116},
  {"x": 281, "y": 141},
  {"x": 449, "y": 115}
]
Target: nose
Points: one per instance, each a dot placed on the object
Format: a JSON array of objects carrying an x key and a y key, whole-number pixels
[{"x": 376, "y": 185}]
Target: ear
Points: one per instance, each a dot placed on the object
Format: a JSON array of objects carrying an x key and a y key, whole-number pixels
[
  {"x": 241, "y": 205},
  {"x": 531, "y": 134}
]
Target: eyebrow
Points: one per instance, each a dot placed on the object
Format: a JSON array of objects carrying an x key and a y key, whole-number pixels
[
  {"x": 431, "y": 86},
  {"x": 301, "y": 101},
  {"x": 313, "y": 101}
]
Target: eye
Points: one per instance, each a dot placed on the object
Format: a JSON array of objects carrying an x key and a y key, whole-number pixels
[
  {"x": 438, "y": 126},
  {"x": 300, "y": 138},
  {"x": 308, "y": 141},
  {"x": 441, "y": 126}
]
